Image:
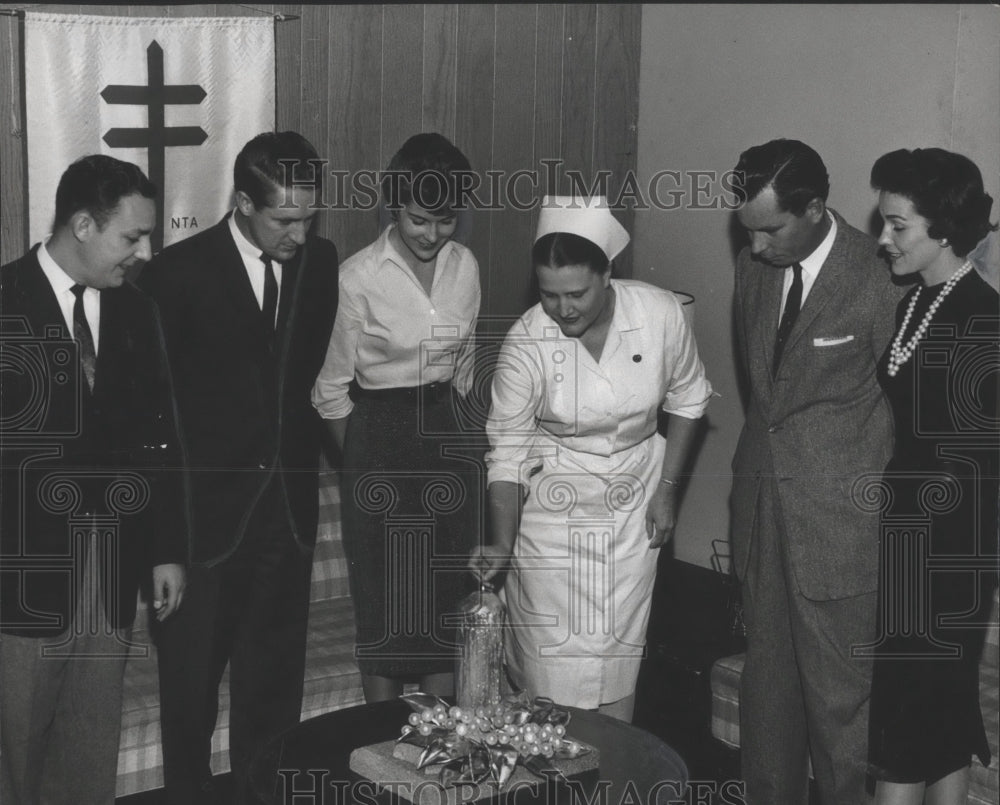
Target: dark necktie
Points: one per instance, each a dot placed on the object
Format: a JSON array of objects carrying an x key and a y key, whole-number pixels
[
  {"x": 270, "y": 304},
  {"x": 792, "y": 305},
  {"x": 83, "y": 336}
]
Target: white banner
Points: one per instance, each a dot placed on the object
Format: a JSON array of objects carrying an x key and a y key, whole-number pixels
[{"x": 178, "y": 97}]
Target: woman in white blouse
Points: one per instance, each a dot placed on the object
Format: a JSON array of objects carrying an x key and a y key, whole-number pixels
[
  {"x": 575, "y": 449},
  {"x": 401, "y": 348}
]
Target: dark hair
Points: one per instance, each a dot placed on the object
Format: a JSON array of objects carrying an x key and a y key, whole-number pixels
[
  {"x": 276, "y": 159},
  {"x": 97, "y": 184},
  {"x": 945, "y": 188},
  {"x": 558, "y": 249},
  {"x": 426, "y": 171},
  {"x": 792, "y": 168}
]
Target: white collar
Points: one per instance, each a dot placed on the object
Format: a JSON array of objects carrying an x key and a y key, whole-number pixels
[
  {"x": 246, "y": 249},
  {"x": 58, "y": 279},
  {"x": 389, "y": 253},
  {"x": 814, "y": 262}
]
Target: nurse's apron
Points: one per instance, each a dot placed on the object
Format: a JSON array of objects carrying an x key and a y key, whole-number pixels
[{"x": 579, "y": 592}]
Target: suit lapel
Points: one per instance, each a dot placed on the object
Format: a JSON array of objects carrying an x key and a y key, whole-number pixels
[
  {"x": 39, "y": 302},
  {"x": 36, "y": 299},
  {"x": 117, "y": 337},
  {"x": 112, "y": 330},
  {"x": 33, "y": 298},
  {"x": 236, "y": 286},
  {"x": 766, "y": 298},
  {"x": 234, "y": 280},
  {"x": 825, "y": 288}
]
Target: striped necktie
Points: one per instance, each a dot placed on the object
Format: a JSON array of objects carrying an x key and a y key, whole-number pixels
[{"x": 83, "y": 336}]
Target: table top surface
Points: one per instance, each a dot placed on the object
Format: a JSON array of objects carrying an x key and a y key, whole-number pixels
[{"x": 315, "y": 755}]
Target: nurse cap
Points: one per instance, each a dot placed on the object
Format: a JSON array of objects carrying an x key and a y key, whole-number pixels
[{"x": 589, "y": 218}]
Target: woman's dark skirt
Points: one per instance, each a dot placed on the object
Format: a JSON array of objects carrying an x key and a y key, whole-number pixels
[{"x": 410, "y": 500}]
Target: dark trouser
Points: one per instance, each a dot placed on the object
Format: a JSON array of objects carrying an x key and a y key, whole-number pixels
[
  {"x": 251, "y": 611},
  {"x": 802, "y": 695}
]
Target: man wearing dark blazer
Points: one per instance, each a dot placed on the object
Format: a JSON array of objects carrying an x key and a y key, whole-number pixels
[
  {"x": 814, "y": 311},
  {"x": 248, "y": 306},
  {"x": 91, "y": 492}
]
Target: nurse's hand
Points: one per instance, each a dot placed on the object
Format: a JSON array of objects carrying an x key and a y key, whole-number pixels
[
  {"x": 661, "y": 515},
  {"x": 489, "y": 560}
]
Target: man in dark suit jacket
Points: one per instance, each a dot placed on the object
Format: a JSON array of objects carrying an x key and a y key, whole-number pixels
[
  {"x": 814, "y": 311},
  {"x": 248, "y": 306},
  {"x": 91, "y": 493}
]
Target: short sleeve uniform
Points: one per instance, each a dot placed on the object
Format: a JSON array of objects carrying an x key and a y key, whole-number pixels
[{"x": 580, "y": 435}]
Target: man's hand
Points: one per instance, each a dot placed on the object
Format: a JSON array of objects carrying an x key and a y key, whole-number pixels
[{"x": 168, "y": 589}]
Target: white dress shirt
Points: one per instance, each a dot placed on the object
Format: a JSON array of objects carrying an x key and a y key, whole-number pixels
[
  {"x": 810, "y": 266},
  {"x": 62, "y": 284},
  {"x": 389, "y": 333},
  {"x": 254, "y": 264}
]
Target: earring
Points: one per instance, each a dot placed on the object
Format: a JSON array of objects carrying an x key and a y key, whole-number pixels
[{"x": 943, "y": 242}]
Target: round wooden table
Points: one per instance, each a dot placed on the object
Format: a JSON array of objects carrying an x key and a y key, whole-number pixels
[{"x": 310, "y": 761}]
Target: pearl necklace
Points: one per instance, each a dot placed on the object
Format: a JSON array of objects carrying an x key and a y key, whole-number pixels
[{"x": 900, "y": 353}]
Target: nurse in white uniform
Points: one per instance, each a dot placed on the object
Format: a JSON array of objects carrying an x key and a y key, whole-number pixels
[{"x": 582, "y": 488}]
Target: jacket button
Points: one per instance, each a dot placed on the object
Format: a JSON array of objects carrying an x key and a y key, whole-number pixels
[{"x": 774, "y": 429}]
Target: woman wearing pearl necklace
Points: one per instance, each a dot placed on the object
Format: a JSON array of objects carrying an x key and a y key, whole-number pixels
[{"x": 940, "y": 488}]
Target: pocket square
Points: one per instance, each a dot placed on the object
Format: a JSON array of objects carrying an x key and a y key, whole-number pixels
[{"x": 832, "y": 342}]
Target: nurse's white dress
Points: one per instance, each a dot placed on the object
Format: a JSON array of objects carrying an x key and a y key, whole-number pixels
[{"x": 581, "y": 436}]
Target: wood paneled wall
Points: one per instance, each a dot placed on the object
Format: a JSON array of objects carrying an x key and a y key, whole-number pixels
[{"x": 511, "y": 85}]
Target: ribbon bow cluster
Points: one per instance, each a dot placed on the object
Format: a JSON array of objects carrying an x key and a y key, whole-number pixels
[{"x": 486, "y": 744}]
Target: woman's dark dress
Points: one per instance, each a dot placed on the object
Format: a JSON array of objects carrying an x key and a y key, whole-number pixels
[{"x": 925, "y": 714}]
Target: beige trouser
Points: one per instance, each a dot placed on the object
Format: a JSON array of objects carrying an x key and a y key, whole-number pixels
[{"x": 60, "y": 709}]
